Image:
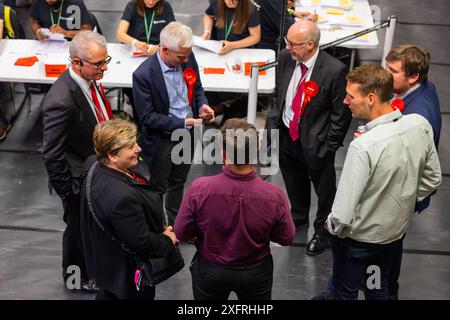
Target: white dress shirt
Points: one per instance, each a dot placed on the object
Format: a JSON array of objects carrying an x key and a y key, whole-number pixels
[
  {"x": 386, "y": 171},
  {"x": 86, "y": 88},
  {"x": 292, "y": 88}
]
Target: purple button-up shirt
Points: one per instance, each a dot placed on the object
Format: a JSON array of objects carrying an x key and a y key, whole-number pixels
[{"x": 234, "y": 217}]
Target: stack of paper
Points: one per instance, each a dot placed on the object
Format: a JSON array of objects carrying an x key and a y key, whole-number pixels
[
  {"x": 210, "y": 45},
  {"x": 347, "y": 21},
  {"x": 338, "y": 4},
  {"x": 51, "y": 35}
]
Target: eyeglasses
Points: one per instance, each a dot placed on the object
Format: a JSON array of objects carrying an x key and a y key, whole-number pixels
[
  {"x": 293, "y": 44},
  {"x": 100, "y": 64}
]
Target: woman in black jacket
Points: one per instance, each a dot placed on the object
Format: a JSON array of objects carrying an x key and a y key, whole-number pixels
[{"x": 127, "y": 209}]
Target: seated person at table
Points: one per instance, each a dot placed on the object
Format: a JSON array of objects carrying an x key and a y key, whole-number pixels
[
  {"x": 141, "y": 23},
  {"x": 236, "y": 26},
  {"x": 270, "y": 12},
  {"x": 236, "y": 22},
  {"x": 60, "y": 16}
]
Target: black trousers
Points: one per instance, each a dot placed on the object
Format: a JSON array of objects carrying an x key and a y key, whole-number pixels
[
  {"x": 212, "y": 281},
  {"x": 167, "y": 178},
  {"x": 72, "y": 249},
  {"x": 297, "y": 176}
]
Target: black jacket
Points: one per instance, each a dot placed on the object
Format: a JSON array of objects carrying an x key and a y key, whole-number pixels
[
  {"x": 68, "y": 128},
  {"x": 326, "y": 119},
  {"x": 133, "y": 214}
]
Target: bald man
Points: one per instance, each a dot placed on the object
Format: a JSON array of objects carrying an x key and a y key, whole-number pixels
[{"x": 309, "y": 136}]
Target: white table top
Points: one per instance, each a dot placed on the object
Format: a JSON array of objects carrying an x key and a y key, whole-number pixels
[
  {"x": 329, "y": 33},
  {"x": 122, "y": 66}
]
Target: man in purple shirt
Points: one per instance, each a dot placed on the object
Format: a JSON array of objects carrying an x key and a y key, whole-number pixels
[{"x": 233, "y": 217}]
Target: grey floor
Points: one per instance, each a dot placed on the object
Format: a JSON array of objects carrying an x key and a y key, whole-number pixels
[{"x": 31, "y": 219}]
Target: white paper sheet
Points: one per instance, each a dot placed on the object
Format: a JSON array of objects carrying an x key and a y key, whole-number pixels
[{"x": 211, "y": 45}]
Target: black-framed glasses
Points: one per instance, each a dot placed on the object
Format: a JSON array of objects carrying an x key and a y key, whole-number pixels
[
  {"x": 293, "y": 44},
  {"x": 100, "y": 64}
]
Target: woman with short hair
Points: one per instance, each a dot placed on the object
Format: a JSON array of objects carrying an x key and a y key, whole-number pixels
[{"x": 127, "y": 209}]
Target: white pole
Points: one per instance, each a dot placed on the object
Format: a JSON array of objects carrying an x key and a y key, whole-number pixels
[
  {"x": 253, "y": 94},
  {"x": 389, "y": 39}
]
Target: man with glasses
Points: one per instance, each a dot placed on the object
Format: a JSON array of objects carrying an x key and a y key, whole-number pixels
[
  {"x": 71, "y": 110},
  {"x": 310, "y": 133},
  {"x": 165, "y": 101}
]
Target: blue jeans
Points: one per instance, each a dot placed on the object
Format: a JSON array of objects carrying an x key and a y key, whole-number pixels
[{"x": 351, "y": 260}]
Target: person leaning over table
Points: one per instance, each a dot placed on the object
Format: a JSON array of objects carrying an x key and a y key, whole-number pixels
[
  {"x": 127, "y": 208},
  {"x": 236, "y": 21},
  {"x": 60, "y": 16},
  {"x": 236, "y": 25},
  {"x": 142, "y": 22}
]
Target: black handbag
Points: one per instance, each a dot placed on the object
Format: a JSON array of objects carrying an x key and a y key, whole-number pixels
[{"x": 150, "y": 272}]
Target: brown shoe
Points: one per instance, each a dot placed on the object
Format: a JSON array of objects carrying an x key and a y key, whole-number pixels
[{"x": 4, "y": 128}]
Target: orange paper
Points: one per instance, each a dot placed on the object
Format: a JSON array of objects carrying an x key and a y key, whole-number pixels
[
  {"x": 26, "y": 62},
  {"x": 138, "y": 53},
  {"x": 248, "y": 67},
  {"x": 54, "y": 70},
  {"x": 213, "y": 70}
]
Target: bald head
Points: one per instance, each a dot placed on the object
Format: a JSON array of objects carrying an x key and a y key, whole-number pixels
[{"x": 307, "y": 30}]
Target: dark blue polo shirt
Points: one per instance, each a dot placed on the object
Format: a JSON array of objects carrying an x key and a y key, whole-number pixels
[
  {"x": 213, "y": 9},
  {"x": 41, "y": 11},
  {"x": 137, "y": 23},
  {"x": 2, "y": 17}
]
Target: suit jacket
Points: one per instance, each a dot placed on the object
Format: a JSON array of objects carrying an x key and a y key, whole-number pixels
[
  {"x": 133, "y": 214},
  {"x": 152, "y": 104},
  {"x": 326, "y": 119},
  {"x": 68, "y": 128},
  {"x": 424, "y": 101}
]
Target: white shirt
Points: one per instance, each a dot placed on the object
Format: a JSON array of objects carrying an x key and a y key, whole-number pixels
[
  {"x": 86, "y": 88},
  {"x": 386, "y": 171},
  {"x": 292, "y": 88}
]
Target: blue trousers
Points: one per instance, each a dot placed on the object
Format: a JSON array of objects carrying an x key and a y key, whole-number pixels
[{"x": 351, "y": 262}]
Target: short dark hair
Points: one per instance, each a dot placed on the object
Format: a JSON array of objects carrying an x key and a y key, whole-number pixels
[
  {"x": 373, "y": 78},
  {"x": 415, "y": 60},
  {"x": 240, "y": 141},
  {"x": 159, "y": 7}
]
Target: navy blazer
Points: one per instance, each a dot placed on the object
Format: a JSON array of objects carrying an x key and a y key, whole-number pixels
[
  {"x": 424, "y": 101},
  {"x": 152, "y": 104}
]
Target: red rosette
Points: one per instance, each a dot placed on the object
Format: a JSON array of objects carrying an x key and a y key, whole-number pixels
[
  {"x": 310, "y": 90},
  {"x": 190, "y": 77},
  {"x": 398, "y": 104}
]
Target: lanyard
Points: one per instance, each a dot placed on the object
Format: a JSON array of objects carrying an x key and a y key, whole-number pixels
[
  {"x": 59, "y": 17},
  {"x": 228, "y": 28},
  {"x": 148, "y": 29}
]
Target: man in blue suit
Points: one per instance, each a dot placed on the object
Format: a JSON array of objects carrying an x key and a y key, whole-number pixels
[
  {"x": 168, "y": 95},
  {"x": 409, "y": 66}
]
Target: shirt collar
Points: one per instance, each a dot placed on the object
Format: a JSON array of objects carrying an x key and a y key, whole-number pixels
[
  {"x": 403, "y": 95},
  {"x": 235, "y": 176},
  {"x": 164, "y": 67},
  {"x": 82, "y": 83},
  {"x": 389, "y": 117},
  {"x": 312, "y": 61}
]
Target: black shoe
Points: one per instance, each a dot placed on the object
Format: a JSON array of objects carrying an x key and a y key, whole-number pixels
[
  {"x": 89, "y": 286},
  {"x": 317, "y": 244},
  {"x": 301, "y": 225}
]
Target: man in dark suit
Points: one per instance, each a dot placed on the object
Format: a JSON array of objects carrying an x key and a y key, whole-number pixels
[
  {"x": 72, "y": 108},
  {"x": 310, "y": 133},
  {"x": 409, "y": 66},
  {"x": 161, "y": 91}
]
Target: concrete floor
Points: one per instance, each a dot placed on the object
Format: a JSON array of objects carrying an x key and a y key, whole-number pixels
[{"x": 31, "y": 220}]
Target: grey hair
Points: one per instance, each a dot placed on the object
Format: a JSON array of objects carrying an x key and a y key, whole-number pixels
[
  {"x": 80, "y": 43},
  {"x": 176, "y": 35},
  {"x": 310, "y": 29}
]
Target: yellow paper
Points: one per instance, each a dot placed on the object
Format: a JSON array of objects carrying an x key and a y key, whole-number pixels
[
  {"x": 345, "y": 3},
  {"x": 316, "y": 2},
  {"x": 355, "y": 20},
  {"x": 321, "y": 19},
  {"x": 335, "y": 11}
]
